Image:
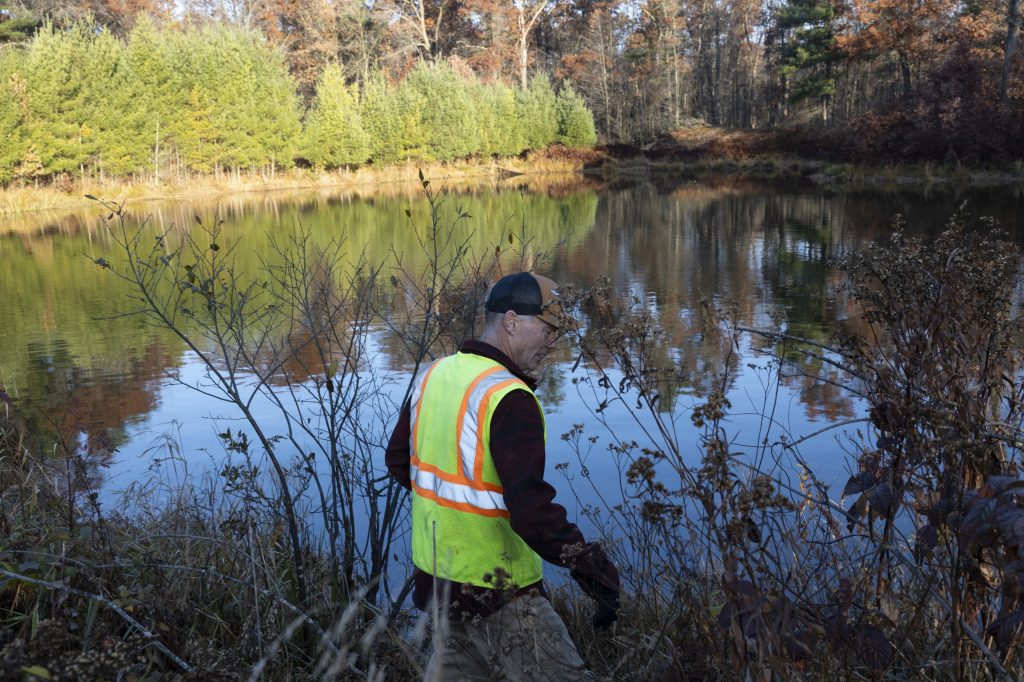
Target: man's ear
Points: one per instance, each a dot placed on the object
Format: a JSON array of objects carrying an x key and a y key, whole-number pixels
[{"x": 509, "y": 321}]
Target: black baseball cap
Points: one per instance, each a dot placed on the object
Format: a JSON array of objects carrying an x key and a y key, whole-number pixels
[{"x": 525, "y": 293}]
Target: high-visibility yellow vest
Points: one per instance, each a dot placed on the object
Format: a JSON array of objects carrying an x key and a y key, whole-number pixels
[{"x": 460, "y": 526}]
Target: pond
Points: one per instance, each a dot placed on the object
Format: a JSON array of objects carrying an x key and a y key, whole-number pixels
[{"x": 111, "y": 384}]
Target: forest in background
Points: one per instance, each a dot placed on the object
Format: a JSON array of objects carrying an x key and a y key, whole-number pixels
[
  {"x": 903, "y": 80},
  {"x": 79, "y": 102}
]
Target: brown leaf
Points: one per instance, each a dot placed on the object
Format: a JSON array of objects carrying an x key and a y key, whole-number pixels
[
  {"x": 858, "y": 483},
  {"x": 977, "y": 529},
  {"x": 883, "y": 499}
]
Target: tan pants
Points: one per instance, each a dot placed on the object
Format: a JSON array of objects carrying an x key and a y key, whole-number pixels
[{"x": 524, "y": 640}]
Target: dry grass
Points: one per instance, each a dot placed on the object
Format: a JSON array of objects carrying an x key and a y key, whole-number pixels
[{"x": 398, "y": 179}]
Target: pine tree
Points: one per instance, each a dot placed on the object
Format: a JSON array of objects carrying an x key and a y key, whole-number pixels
[
  {"x": 17, "y": 24},
  {"x": 112, "y": 114},
  {"x": 153, "y": 89},
  {"x": 276, "y": 107},
  {"x": 196, "y": 136},
  {"x": 445, "y": 111},
  {"x": 56, "y": 141},
  {"x": 501, "y": 130},
  {"x": 379, "y": 110},
  {"x": 12, "y": 104},
  {"x": 334, "y": 135},
  {"x": 415, "y": 136},
  {"x": 538, "y": 113},
  {"x": 575, "y": 122},
  {"x": 810, "y": 50},
  {"x": 240, "y": 106}
]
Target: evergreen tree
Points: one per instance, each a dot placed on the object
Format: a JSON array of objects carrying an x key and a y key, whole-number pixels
[
  {"x": 153, "y": 89},
  {"x": 446, "y": 111},
  {"x": 195, "y": 136},
  {"x": 240, "y": 106},
  {"x": 52, "y": 142},
  {"x": 12, "y": 103},
  {"x": 227, "y": 74},
  {"x": 575, "y": 122},
  {"x": 381, "y": 119},
  {"x": 112, "y": 114},
  {"x": 334, "y": 135},
  {"x": 538, "y": 113},
  {"x": 415, "y": 136},
  {"x": 501, "y": 130},
  {"x": 16, "y": 24},
  {"x": 809, "y": 50},
  {"x": 277, "y": 108}
]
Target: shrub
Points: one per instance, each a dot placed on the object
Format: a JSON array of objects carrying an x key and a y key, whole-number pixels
[{"x": 575, "y": 122}]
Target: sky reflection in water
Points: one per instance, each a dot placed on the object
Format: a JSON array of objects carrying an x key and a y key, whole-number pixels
[{"x": 765, "y": 248}]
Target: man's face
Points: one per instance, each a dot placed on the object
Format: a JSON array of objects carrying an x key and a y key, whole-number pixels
[{"x": 532, "y": 341}]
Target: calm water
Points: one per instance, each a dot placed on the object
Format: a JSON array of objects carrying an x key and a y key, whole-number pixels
[{"x": 766, "y": 247}]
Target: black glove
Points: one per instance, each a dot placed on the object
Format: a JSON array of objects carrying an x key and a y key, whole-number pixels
[
  {"x": 607, "y": 611},
  {"x": 599, "y": 579}
]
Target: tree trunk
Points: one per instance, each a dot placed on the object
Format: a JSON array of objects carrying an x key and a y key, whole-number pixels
[
  {"x": 905, "y": 74},
  {"x": 524, "y": 55},
  {"x": 525, "y": 25},
  {"x": 1012, "y": 41}
]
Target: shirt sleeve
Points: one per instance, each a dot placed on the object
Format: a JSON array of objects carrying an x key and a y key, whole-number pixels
[
  {"x": 396, "y": 457},
  {"x": 517, "y": 449}
]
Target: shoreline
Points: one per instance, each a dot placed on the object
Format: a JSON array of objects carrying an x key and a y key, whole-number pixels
[
  {"x": 24, "y": 201},
  {"x": 827, "y": 174},
  {"x": 553, "y": 167}
]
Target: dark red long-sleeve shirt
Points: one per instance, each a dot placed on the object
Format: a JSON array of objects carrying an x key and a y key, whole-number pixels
[{"x": 517, "y": 449}]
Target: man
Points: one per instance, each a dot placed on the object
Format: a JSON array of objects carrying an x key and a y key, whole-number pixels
[{"x": 470, "y": 446}]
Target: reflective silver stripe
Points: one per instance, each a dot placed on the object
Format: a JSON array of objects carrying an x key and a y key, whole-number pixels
[
  {"x": 417, "y": 391},
  {"x": 470, "y": 429},
  {"x": 455, "y": 492}
]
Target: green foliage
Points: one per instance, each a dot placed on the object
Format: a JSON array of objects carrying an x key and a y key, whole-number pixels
[
  {"x": 382, "y": 119},
  {"x": 811, "y": 49},
  {"x": 219, "y": 97},
  {"x": 80, "y": 102},
  {"x": 253, "y": 108},
  {"x": 538, "y": 112},
  {"x": 16, "y": 24},
  {"x": 575, "y": 122},
  {"x": 444, "y": 110},
  {"x": 11, "y": 105},
  {"x": 501, "y": 129},
  {"x": 334, "y": 131},
  {"x": 56, "y": 133}
]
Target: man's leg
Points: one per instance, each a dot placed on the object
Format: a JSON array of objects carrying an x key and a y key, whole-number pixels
[
  {"x": 459, "y": 654},
  {"x": 532, "y": 643},
  {"x": 524, "y": 641}
]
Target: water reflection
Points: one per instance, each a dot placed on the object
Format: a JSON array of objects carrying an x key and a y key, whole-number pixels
[{"x": 764, "y": 249}]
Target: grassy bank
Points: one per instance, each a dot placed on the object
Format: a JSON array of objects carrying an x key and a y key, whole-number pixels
[{"x": 398, "y": 179}]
